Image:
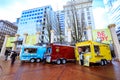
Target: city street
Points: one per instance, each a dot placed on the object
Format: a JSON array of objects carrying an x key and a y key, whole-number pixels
[{"x": 69, "y": 71}]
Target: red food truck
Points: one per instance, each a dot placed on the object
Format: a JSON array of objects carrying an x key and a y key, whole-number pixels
[{"x": 59, "y": 53}]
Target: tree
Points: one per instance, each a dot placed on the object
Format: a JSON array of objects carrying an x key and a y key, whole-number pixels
[
  {"x": 45, "y": 27},
  {"x": 75, "y": 22}
]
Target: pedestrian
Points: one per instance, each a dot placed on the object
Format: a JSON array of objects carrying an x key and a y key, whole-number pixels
[
  {"x": 44, "y": 58},
  {"x": 81, "y": 56},
  {"x": 13, "y": 57},
  {"x": 6, "y": 55}
]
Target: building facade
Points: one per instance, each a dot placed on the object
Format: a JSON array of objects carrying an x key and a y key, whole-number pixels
[
  {"x": 81, "y": 11},
  {"x": 37, "y": 20},
  {"x": 113, "y": 9},
  {"x": 60, "y": 23},
  {"x": 6, "y": 28}
]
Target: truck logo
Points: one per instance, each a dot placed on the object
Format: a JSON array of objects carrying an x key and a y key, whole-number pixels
[{"x": 57, "y": 50}]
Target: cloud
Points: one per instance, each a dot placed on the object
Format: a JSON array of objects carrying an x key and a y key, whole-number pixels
[{"x": 12, "y": 9}]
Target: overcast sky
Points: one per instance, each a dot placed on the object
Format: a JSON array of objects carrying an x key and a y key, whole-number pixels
[{"x": 12, "y": 9}]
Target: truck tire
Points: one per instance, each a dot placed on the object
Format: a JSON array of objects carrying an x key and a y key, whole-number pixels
[
  {"x": 102, "y": 62},
  {"x": 32, "y": 60},
  {"x": 38, "y": 60},
  {"x": 105, "y": 61},
  {"x": 58, "y": 61},
  {"x": 63, "y": 61}
]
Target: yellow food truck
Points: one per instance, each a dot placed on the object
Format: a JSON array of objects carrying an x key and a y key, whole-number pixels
[{"x": 94, "y": 52}]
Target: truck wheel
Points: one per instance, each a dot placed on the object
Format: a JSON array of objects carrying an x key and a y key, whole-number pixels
[
  {"x": 58, "y": 61},
  {"x": 105, "y": 61},
  {"x": 38, "y": 60},
  {"x": 102, "y": 62},
  {"x": 63, "y": 61},
  {"x": 32, "y": 60}
]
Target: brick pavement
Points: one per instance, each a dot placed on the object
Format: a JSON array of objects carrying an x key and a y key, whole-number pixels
[{"x": 69, "y": 71}]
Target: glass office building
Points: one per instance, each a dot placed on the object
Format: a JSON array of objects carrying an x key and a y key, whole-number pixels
[
  {"x": 36, "y": 20},
  {"x": 113, "y": 8}
]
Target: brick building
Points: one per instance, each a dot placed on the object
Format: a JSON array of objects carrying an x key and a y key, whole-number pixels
[{"x": 6, "y": 28}]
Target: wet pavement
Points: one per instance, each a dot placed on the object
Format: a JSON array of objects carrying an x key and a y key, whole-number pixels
[{"x": 69, "y": 71}]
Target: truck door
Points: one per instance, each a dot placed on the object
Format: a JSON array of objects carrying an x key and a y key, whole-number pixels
[{"x": 48, "y": 54}]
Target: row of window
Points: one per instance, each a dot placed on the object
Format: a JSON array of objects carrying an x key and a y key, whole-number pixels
[
  {"x": 35, "y": 10},
  {"x": 2, "y": 28},
  {"x": 8, "y": 31},
  {"x": 30, "y": 15},
  {"x": 38, "y": 17},
  {"x": 70, "y": 11},
  {"x": 24, "y": 22}
]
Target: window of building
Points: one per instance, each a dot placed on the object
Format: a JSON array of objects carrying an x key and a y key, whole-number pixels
[
  {"x": 87, "y": 9},
  {"x": 89, "y": 18},
  {"x": 35, "y": 10},
  {"x": 88, "y": 13},
  {"x": 42, "y": 32},
  {"x": 30, "y": 11},
  {"x": 68, "y": 12},
  {"x": 32, "y": 14},
  {"x": 41, "y": 13},
  {"x": 42, "y": 37}
]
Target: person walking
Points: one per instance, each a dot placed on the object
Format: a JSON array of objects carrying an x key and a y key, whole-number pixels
[
  {"x": 6, "y": 55},
  {"x": 13, "y": 57}
]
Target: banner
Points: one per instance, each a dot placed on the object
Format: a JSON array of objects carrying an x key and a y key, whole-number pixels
[
  {"x": 31, "y": 39},
  {"x": 103, "y": 34},
  {"x": 10, "y": 41}
]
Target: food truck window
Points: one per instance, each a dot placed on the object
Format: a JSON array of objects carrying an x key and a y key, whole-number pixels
[
  {"x": 30, "y": 50},
  {"x": 97, "y": 50},
  {"x": 85, "y": 49}
]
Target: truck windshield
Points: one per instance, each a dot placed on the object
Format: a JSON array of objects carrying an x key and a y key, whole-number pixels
[{"x": 30, "y": 50}]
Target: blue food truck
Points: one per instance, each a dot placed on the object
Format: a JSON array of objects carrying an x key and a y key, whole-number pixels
[{"x": 32, "y": 53}]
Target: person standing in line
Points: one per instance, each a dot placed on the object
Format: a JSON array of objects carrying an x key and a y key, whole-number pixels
[
  {"x": 81, "y": 56},
  {"x": 13, "y": 57}
]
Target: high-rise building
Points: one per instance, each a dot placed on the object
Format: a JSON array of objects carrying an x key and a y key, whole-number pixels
[
  {"x": 61, "y": 21},
  {"x": 6, "y": 28},
  {"x": 113, "y": 9},
  {"x": 37, "y": 20},
  {"x": 79, "y": 11}
]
